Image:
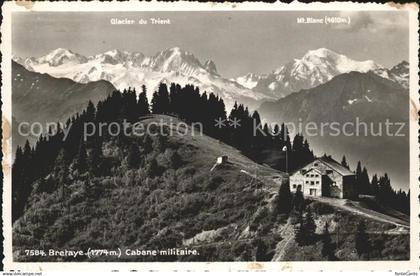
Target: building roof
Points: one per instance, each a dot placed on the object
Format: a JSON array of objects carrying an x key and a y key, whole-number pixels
[
  {"x": 334, "y": 165},
  {"x": 313, "y": 169},
  {"x": 328, "y": 162}
]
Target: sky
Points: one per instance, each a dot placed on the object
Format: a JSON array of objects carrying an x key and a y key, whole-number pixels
[{"x": 237, "y": 41}]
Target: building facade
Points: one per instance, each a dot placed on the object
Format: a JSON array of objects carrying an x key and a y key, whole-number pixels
[{"x": 325, "y": 177}]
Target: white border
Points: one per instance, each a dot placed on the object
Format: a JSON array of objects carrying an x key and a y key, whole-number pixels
[{"x": 413, "y": 264}]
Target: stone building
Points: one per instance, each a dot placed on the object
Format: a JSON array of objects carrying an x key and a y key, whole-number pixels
[{"x": 325, "y": 177}]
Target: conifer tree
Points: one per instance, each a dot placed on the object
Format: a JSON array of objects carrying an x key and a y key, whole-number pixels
[
  {"x": 298, "y": 200},
  {"x": 173, "y": 158},
  {"x": 406, "y": 203},
  {"x": 359, "y": 177},
  {"x": 364, "y": 182},
  {"x": 129, "y": 106},
  {"x": 147, "y": 144},
  {"x": 283, "y": 132},
  {"x": 152, "y": 168},
  {"x": 344, "y": 162},
  {"x": 82, "y": 157},
  {"x": 133, "y": 158},
  {"x": 309, "y": 226},
  {"x": 18, "y": 183},
  {"x": 284, "y": 199},
  {"x": 385, "y": 192},
  {"x": 258, "y": 138},
  {"x": 143, "y": 103},
  {"x": 327, "y": 246},
  {"x": 95, "y": 157},
  {"x": 362, "y": 240},
  {"x": 160, "y": 100},
  {"x": 90, "y": 112},
  {"x": 374, "y": 185},
  {"x": 62, "y": 172},
  {"x": 160, "y": 143}
]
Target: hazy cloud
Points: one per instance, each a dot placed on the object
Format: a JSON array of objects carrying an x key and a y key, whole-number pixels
[{"x": 372, "y": 21}]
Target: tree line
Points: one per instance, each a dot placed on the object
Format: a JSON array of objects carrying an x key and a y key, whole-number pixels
[{"x": 381, "y": 188}]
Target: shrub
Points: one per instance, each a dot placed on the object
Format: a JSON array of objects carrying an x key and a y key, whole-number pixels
[
  {"x": 152, "y": 168},
  {"x": 173, "y": 159},
  {"x": 214, "y": 183},
  {"x": 214, "y": 222},
  {"x": 262, "y": 215},
  {"x": 188, "y": 186},
  {"x": 133, "y": 158},
  {"x": 321, "y": 208}
]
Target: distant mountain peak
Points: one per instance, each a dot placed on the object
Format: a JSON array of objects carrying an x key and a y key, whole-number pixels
[
  {"x": 60, "y": 51},
  {"x": 17, "y": 59},
  {"x": 400, "y": 66},
  {"x": 339, "y": 62},
  {"x": 250, "y": 80},
  {"x": 114, "y": 52},
  {"x": 176, "y": 51},
  {"x": 176, "y": 60},
  {"x": 314, "y": 68},
  {"x": 114, "y": 56},
  {"x": 210, "y": 66},
  {"x": 321, "y": 52},
  {"x": 399, "y": 73},
  {"x": 60, "y": 56}
]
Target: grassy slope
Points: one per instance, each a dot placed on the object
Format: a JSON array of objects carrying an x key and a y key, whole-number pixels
[{"x": 133, "y": 209}]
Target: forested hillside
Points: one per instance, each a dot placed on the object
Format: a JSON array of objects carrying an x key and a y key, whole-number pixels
[{"x": 159, "y": 191}]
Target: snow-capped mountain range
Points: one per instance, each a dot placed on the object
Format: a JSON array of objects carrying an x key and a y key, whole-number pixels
[
  {"x": 133, "y": 69},
  {"x": 124, "y": 69},
  {"x": 399, "y": 73},
  {"x": 314, "y": 68}
]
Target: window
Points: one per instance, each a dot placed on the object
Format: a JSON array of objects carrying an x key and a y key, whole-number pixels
[
  {"x": 294, "y": 186},
  {"x": 316, "y": 164},
  {"x": 312, "y": 183},
  {"x": 317, "y": 182},
  {"x": 307, "y": 182}
]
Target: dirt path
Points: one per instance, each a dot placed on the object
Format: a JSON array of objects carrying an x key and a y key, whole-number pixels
[{"x": 401, "y": 225}]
